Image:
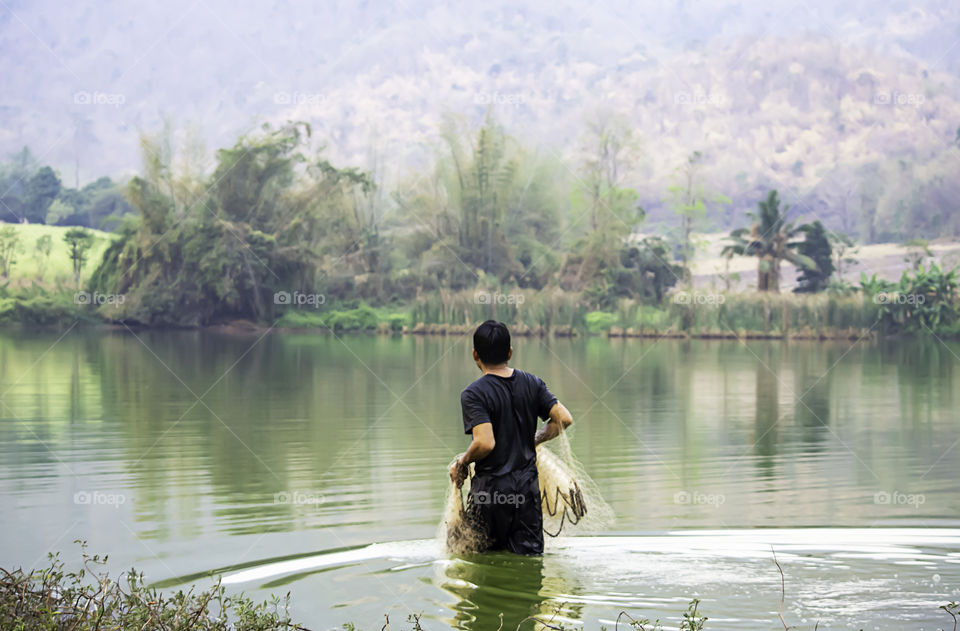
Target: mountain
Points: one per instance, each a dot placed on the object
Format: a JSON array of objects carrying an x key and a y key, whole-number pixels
[{"x": 824, "y": 101}]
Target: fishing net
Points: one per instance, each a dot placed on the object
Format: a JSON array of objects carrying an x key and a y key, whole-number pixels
[{"x": 570, "y": 500}]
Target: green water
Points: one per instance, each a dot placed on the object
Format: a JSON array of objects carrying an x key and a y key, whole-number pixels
[{"x": 184, "y": 453}]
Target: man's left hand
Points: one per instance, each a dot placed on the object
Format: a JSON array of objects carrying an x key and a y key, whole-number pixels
[{"x": 458, "y": 473}]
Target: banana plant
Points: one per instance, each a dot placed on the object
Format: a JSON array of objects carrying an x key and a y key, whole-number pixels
[{"x": 771, "y": 239}]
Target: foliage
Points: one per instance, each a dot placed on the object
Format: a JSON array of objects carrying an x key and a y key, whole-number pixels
[
  {"x": 489, "y": 209},
  {"x": 844, "y": 249},
  {"x": 9, "y": 247},
  {"x": 196, "y": 253},
  {"x": 651, "y": 260},
  {"x": 815, "y": 246},
  {"x": 31, "y": 192},
  {"x": 924, "y": 301},
  {"x": 643, "y": 271},
  {"x": 50, "y": 269},
  {"x": 909, "y": 197},
  {"x": 492, "y": 217},
  {"x": 609, "y": 149},
  {"x": 688, "y": 200},
  {"x": 599, "y": 260},
  {"x": 100, "y": 204},
  {"x": 600, "y": 321},
  {"x": 42, "y": 188},
  {"x": 79, "y": 241},
  {"x": 15, "y": 176},
  {"x": 363, "y": 318},
  {"x": 36, "y": 307},
  {"x": 768, "y": 239},
  {"x": 41, "y": 250},
  {"x": 692, "y": 620},
  {"x": 736, "y": 313},
  {"x": 89, "y": 599}
]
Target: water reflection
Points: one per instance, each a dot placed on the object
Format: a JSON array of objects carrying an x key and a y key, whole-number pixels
[
  {"x": 767, "y": 411},
  {"x": 203, "y": 432},
  {"x": 488, "y": 585},
  {"x": 520, "y": 588}
]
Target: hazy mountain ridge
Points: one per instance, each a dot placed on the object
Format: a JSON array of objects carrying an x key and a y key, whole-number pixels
[
  {"x": 802, "y": 101},
  {"x": 772, "y": 113}
]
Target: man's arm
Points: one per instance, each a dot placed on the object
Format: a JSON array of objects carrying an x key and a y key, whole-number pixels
[
  {"x": 560, "y": 419},
  {"x": 480, "y": 447}
]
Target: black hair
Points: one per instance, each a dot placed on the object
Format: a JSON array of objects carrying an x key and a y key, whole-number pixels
[{"x": 491, "y": 340}]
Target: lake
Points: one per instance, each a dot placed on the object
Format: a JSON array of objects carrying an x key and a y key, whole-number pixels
[{"x": 277, "y": 460}]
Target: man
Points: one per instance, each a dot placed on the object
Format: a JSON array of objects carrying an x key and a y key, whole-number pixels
[{"x": 500, "y": 411}]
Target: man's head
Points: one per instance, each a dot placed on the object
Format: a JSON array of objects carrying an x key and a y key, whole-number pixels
[{"x": 491, "y": 344}]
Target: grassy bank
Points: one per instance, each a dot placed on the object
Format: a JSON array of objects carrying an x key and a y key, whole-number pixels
[
  {"x": 925, "y": 301},
  {"x": 730, "y": 316},
  {"x": 774, "y": 316}
]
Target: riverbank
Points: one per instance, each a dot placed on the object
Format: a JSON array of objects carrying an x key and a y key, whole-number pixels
[
  {"x": 681, "y": 316},
  {"x": 925, "y": 300},
  {"x": 567, "y": 332},
  {"x": 925, "y": 303}
]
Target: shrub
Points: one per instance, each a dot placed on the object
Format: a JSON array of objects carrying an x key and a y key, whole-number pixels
[
  {"x": 88, "y": 599},
  {"x": 600, "y": 321}
]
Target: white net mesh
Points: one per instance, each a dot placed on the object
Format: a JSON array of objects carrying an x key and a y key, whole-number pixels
[{"x": 570, "y": 500}]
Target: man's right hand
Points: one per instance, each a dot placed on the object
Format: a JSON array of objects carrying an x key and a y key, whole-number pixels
[{"x": 560, "y": 420}]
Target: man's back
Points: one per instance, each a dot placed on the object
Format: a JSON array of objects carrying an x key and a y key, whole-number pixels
[
  {"x": 500, "y": 411},
  {"x": 512, "y": 405}
]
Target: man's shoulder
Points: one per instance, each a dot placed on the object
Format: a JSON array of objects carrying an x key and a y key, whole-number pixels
[
  {"x": 476, "y": 386},
  {"x": 522, "y": 375}
]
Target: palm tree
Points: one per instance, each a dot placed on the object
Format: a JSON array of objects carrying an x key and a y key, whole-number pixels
[{"x": 769, "y": 239}]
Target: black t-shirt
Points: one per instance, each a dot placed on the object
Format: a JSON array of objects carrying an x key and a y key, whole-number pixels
[{"x": 512, "y": 405}]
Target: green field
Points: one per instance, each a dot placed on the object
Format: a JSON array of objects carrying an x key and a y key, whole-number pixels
[{"x": 59, "y": 271}]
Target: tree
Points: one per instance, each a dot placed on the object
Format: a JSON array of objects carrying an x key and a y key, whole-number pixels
[
  {"x": 42, "y": 188},
  {"x": 100, "y": 204},
  {"x": 816, "y": 246},
  {"x": 650, "y": 259},
  {"x": 14, "y": 179},
  {"x": 79, "y": 242},
  {"x": 768, "y": 239},
  {"x": 258, "y": 226},
  {"x": 728, "y": 277},
  {"x": 609, "y": 148},
  {"x": 9, "y": 247},
  {"x": 486, "y": 177},
  {"x": 643, "y": 272},
  {"x": 489, "y": 211},
  {"x": 41, "y": 251},
  {"x": 843, "y": 250},
  {"x": 688, "y": 200}
]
